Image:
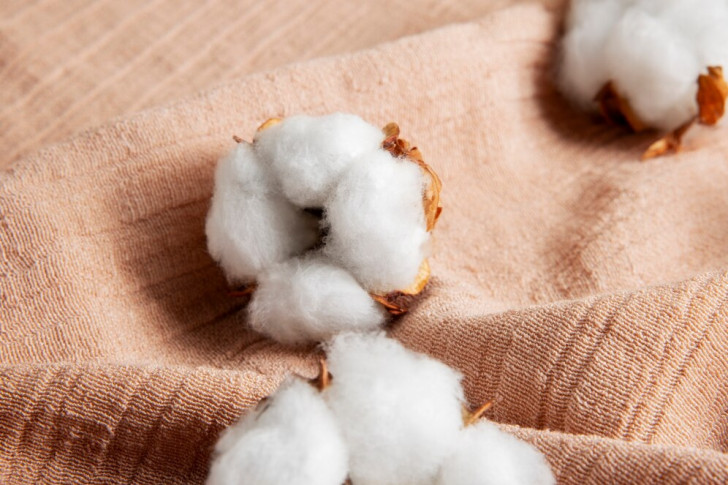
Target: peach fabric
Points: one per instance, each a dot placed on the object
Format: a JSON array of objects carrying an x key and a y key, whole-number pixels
[{"x": 581, "y": 290}]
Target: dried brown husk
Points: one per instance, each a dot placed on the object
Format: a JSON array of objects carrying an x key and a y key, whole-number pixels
[
  {"x": 616, "y": 109},
  {"x": 472, "y": 417},
  {"x": 712, "y": 93},
  {"x": 711, "y": 100},
  {"x": 672, "y": 142},
  {"x": 398, "y": 302},
  {"x": 323, "y": 380}
]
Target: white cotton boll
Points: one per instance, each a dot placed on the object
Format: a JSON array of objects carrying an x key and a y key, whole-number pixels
[
  {"x": 250, "y": 226},
  {"x": 653, "y": 50},
  {"x": 376, "y": 221},
  {"x": 291, "y": 438},
  {"x": 654, "y": 68},
  {"x": 309, "y": 299},
  {"x": 308, "y": 154},
  {"x": 485, "y": 455},
  {"x": 400, "y": 412}
]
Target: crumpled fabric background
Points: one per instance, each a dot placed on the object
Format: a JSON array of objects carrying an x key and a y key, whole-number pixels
[{"x": 581, "y": 290}]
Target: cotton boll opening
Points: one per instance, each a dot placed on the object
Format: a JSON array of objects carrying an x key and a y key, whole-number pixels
[
  {"x": 308, "y": 154},
  {"x": 400, "y": 411},
  {"x": 291, "y": 438},
  {"x": 307, "y": 298}
]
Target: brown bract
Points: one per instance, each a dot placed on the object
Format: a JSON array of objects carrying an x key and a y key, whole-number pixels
[
  {"x": 323, "y": 380},
  {"x": 672, "y": 142},
  {"x": 616, "y": 109},
  {"x": 472, "y": 417},
  {"x": 712, "y": 93},
  {"x": 711, "y": 99}
]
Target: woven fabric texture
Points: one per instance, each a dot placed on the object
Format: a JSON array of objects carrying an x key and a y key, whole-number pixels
[{"x": 581, "y": 290}]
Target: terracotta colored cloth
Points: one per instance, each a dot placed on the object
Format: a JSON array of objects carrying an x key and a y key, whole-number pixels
[{"x": 581, "y": 290}]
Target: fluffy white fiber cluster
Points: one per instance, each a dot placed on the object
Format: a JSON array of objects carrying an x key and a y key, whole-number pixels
[
  {"x": 652, "y": 50},
  {"x": 401, "y": 412},
  {"x": 258, "y": 227},
  {"x": 290, "y": 438},
  {"x": 390, "y": 415}
]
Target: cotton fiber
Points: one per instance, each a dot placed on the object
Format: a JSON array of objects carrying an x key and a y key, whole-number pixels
[
  {"x": 306, "y": 299},
  {"x": 376, "y": 221},
  {"x": 485, "y": 455},
  {"x": 651, "y": 50},
  {"x": 400, "y": 412},
  {"x": 290, "y": 438},
  {"x": 250, "y": 225},
  {"x": 307, "y": 154}
]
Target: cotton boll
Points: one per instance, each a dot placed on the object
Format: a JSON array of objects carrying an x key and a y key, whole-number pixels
[
  {"x": 292, "y": 438},
  {"x": 654, "y": 68},
  {"x": 400, "y": 412},
  {"x": 485, "y": 455},
  {"x": 653, "y": 51},
  {"x": 376, "y": 221},
  {"x": 308, "y": 154},
  {"x": 250, "y": 226},
  {"x": 308, "y": 299}
]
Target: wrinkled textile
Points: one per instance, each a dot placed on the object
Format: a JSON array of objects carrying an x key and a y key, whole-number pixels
[{"x": 580, "y": 290}]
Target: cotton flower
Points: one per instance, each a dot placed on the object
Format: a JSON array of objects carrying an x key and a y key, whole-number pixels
[
  {"x": 291, "y": 438},
  {"x": 327, "y": 220},
  {"x": 485, "y": 455},
  {"x": 400, "y": 412},
  {"x": 307, "y": 298},
  {"x": 652, "y": 51}
]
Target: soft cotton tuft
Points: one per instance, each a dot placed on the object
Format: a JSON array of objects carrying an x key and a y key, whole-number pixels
[
  {"x": 376, "y": 222},
  {"x": 250, "y": 225},
  {"x": 485, "y": 455},
  {"x": 653, "y": 51},
  {"x": 292, "y": 438},
  {"x": 308, "y": 154},
  {"x": 306, "y": 299},
  {"x": 400, "y": 411}
]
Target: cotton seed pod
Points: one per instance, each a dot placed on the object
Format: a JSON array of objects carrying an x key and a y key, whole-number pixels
[
  {"x": 360, "y": 199},
  {"x": 485, "y": 455},
  {"x": 292, "y": 437},
  {"x": 399, "y": 411},
  {"x": 647, "y": 64}
]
